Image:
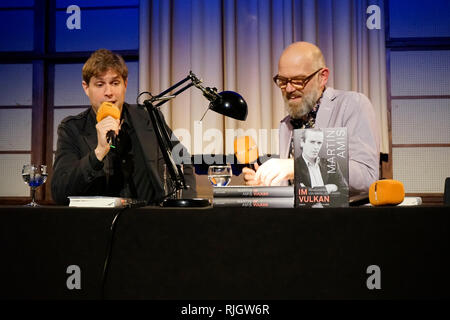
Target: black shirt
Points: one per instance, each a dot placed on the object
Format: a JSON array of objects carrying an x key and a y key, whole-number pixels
[{"x": 126, "y": 174}]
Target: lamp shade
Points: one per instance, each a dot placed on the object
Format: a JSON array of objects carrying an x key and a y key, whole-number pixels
[{"x": 230, "y": 104}]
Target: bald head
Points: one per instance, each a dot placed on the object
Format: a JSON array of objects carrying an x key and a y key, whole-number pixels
[
  {"x": 302, "y": 61},
  {"x": 300, "y": 58}
]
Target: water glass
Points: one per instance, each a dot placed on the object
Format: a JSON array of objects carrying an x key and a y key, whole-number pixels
[{"x": 219, "y": 175}]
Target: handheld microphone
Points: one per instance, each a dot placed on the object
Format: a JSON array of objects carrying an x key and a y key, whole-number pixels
[
  {"x": 246, "y": 151},
  {"x": 107, "y": 109}
]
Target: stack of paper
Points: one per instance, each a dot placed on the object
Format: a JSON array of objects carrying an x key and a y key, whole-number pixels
[
  {"x": 98, "y": 202},
  {"x": 254, "y": 196}
]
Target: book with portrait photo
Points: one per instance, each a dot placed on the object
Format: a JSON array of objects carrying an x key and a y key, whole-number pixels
[{"x": 321, "y": 167}]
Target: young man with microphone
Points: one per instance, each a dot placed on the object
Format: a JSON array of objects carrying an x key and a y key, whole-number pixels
[{"x": 111, "y": 148}]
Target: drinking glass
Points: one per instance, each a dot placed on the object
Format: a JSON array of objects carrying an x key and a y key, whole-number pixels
[
  {"x": 219, "y": 176},
  {"x": 34, "y": 176}
]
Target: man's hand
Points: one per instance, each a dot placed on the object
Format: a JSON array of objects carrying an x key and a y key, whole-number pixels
[
  {"x": 107, "y": 124},
  {"x": 249, "y": 176},
  {"x": 274, "y": 171}
]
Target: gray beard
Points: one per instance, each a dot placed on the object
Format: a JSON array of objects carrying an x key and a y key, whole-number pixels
[{"x": 298, "y": 110}]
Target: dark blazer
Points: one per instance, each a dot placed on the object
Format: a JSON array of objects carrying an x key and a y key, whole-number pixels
[
  {"x": 302, "y": 174},
  {"x": 75, "y": 172}
]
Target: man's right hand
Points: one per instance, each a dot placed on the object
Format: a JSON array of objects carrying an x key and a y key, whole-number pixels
[
  {"x": 249, "y": 176},
  {"x": 107, "y": 124}
]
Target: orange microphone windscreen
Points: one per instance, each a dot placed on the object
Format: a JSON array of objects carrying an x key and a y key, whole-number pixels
[
  {"x": 386, "y": 192},
  {"x": 245, "y": 149},
  {"x": 107, "y": 109}
]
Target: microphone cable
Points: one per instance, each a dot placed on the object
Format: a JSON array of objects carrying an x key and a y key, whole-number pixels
[{"x": 106, "y": 264}]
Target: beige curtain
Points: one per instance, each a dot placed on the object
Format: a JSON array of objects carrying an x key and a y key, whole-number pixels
[{"x": 235, "y": 45}]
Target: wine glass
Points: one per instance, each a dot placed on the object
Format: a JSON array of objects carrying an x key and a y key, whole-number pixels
[
  {"x": 220, "y": 176},
  {"x": 34, "y": 176}
]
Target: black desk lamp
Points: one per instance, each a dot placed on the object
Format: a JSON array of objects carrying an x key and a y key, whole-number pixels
[{"x": 228, "y": 103}]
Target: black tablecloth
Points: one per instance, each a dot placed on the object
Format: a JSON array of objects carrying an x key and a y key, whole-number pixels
[{"x": 225, "y": 253}]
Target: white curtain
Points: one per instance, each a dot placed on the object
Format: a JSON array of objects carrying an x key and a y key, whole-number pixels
[{"x": 235, "y": 45}]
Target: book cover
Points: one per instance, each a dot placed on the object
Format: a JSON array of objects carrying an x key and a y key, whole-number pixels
[
  {"x": 252, "y": 191},
  {"x": 284, "y": 202},
  {"x": 321, "y": 167}
]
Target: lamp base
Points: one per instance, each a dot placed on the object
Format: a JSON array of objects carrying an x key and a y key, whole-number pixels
[{"x": 195, "y": 202}]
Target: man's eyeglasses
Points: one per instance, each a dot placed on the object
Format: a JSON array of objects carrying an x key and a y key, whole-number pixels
[{"x": 297, "y": 82}]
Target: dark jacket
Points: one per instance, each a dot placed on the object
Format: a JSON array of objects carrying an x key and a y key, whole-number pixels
[
  {"x": 76, "y": 171},
  {"x": 302, "y": 174}
]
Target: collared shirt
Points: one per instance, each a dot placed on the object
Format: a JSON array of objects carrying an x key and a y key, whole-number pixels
[{"x": 314, "y": 172}]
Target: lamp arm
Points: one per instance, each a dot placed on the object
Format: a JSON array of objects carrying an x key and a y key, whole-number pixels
[
  {"x": 166, "y": 146},
  {"x": 176, "y": 85},
  {"x": 174, "y": 94},
  {"x": 162, "y": 135},
  {"x": 208, "y": 93},
  {"x": 216, "y": 102}
]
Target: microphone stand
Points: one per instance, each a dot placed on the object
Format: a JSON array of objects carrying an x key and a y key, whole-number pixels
[{"x": 166, "y": 145}]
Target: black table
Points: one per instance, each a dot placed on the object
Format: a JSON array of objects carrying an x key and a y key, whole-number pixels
[{"x": 225, "y": 253}]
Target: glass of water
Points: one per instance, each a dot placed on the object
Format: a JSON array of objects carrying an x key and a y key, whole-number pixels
[
  {"x": 34, "y": 176},
  {"x": 219, "y": 176}
]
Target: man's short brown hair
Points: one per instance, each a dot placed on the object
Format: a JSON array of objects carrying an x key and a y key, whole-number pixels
[
  {"x": 101, "y": 61},
  {"x": 309, "y": 130}
]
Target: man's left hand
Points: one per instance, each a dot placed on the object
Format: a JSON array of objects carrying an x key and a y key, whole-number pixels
[{"x": 274, "y": 171}]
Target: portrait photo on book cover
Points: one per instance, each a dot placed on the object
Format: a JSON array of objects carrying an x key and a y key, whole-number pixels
[{"x": 321, "y": 167}]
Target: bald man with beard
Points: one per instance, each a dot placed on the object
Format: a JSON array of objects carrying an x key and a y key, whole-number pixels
[{"x": 302, "y": 77}]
